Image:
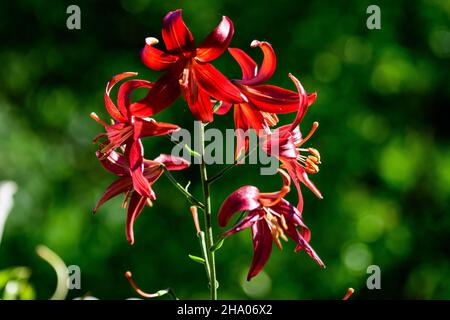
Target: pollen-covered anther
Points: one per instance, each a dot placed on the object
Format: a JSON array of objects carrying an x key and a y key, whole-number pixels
[
  {"x": 151, "y": 41},
  {"x": 184, "y": 80}
]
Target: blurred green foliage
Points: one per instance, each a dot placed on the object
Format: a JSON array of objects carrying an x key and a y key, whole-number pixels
[{"x": 383, "y": 136}]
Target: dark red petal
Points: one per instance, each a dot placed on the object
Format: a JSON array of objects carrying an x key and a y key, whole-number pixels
[
  {"x": 124, "y": 94},
  {"x": 268, "y": 65},
  {"x": 262, "y": 247},
  {"x": 163, "y": 93},
  {"x": 215, "y": 83},
  {"x": 156, "y": 59},
  {"x": 248, "y": 65},
  {"x": 246, "y": 222},
  {"x": 110, "y": 107},
  {"x": 198, "y": 101},
  {"x": 280, "y": 143},
  {"x": 114, "y": 162},
  {"x": 137, "y": 203},
  {"x": 216, "y": 42},
  {"x": 172, "y": 162},
  {"x": 150, "y": 127},
  {"x": 243, "y": 199},
  {"x": 305, "y": 101},
  {"x": 136, "y": 157},
  {"x": 224, "y": 108},
  {"x": 176, "y": 35},
  {"x": 272, "y": 99},
  {"x": 117, "y": 187}
]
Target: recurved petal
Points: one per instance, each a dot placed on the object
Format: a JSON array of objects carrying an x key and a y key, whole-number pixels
[
  {"x": 154, "y": 58},
  {"x": 150, "y": 127},
  {"x": 262, "y": 247},
  {"x": 172, "y": 162},
  {"x": 243, "y": 199},
  {"x": 117, "y": 187},
  {"x": 215, "y": 83},
  {"x": 135, "y": 206},
  {"x": 176, "y": 35},
  {"x": 216, "y": 42},
  {"x": 248, "y": 65},
  {"x": 272, "y": 99},
  {"x": 114, "y": 162},
  {"x": 110, "y": 106},
  {"x": 268, "y": 65},
  {"x": 163, "y": 93},
  {"x": 124, "y": 94}
]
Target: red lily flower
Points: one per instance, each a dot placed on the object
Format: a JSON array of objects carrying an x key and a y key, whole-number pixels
[
  {"x": 271, "y": 217},
  {"x": 286, "y": 141},
  {"x": 188, "y": 70},
  {"x": 127, "y": 129},
  {"x": 118, "y": 164},
  {"x": 264, "y": 101}
]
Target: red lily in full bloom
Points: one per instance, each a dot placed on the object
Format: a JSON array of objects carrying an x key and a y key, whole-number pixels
[
  {"x": 271, "y": 217},
  {"x": 286, "y": 141},
  {"x": 188, "y": 70},
  {"x": 264, "y": 101},
  {"x": 127, "y": 130},
  {"x": 118, "y": 164}
]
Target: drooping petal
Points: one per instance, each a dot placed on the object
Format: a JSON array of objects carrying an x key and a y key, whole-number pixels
[
  {"x": 272, "y": 99},
  {"x": 262, "y": 247},
  {"x": 298, "y": 174},
  {"x": 243, "y": 199},
  {"x": 176, "y": 35},
  {"x": 150, "y": 127},
  {"x": 110, "y": 106},
  {"x": 163, "y": 93},
  {"x": 216, "y": 42},
  {"x": 224, "y": 108},
  {"x": 241, "y": 133},
  {"x": 246, "y": 222},
  {"x": 172, "y": 162},
  {"x": 117, "y": 187},
  {"x": 268, "y": 65},
  {"x": 198, "y": 100},
  {"x": 135, "y": 206},
  {"x": 302, "y": 244},
  {"x": 135, "y": 153},
  {"x": 154, "y": 58},
  {"x": 124, "y": 94},
  {"x": 215, "y": 83},
  {"x": 114, "y": 162},
  {"x": 248, "y": 65}
]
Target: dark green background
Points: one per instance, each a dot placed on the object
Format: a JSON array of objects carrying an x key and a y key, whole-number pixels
[{"x": 382, "y": 102}]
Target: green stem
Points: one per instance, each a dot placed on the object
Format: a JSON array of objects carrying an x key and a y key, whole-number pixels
[
  {"x": 187, "y": 194},
  {"x": 210, "y": 256}
]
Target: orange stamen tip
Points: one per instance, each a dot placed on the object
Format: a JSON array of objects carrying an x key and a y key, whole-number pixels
[{"x": 349, "y": 293}]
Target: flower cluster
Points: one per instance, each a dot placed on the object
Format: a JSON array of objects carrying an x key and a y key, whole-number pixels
[{"x": 188, "y": 72}]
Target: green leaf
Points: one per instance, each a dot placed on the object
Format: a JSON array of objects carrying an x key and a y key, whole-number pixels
[
  {"x": 217, "y": 245},
  {"x": 197, "y": 259}
]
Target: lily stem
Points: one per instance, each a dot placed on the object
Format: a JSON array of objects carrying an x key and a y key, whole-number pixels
[
  {"x": 210, "y": 258},
  {"x": 183, "y": 190}
]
